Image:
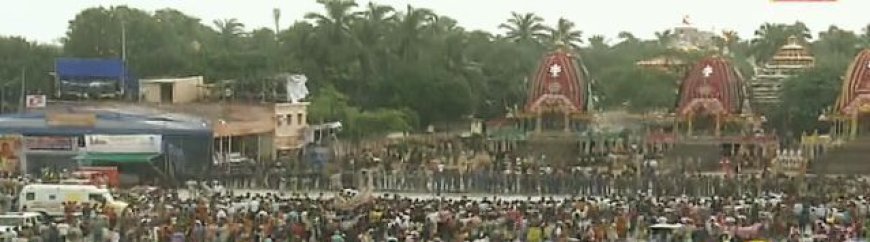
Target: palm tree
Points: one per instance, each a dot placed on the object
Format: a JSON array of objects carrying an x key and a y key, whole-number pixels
[
  {"x": 527, "y": 28},
  {"x": 369, "y": 35},
  {"x": 229, "y": 27},
  {"x": 564, "y": 33},
  {"x": 410, "y": 27},
  {"x": 598, "y": 42},
  {"x": 338, "y": 17},
  {"x": 769, "y": 37},
  {"x": 665, "y": 37},
  {"x": 373, "y": 26},
  {"x": 800, "y": 30},
  {"x": 627, "y": 37},
  {"x": 276, "y": 16}
]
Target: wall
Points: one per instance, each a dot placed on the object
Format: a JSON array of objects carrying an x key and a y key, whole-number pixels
[
  {"x": 188, "y": 90},
  {"x": 290, "y": 120},
  {"x": 184, "y": 90},
  {"x": 150, "y": 92}
]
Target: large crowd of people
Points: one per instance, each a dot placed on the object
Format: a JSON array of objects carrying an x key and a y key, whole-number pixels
[
  {"x": 446, "y": 193},
  {"x": 838, "y": 214}
]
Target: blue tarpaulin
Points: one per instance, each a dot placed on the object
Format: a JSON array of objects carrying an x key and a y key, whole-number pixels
[{"x": 87, "y": 70}]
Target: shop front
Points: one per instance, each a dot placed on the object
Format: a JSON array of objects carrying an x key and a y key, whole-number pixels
[
  {"x": 138, "y": 158},
  {"x": 45, "y": 154}
]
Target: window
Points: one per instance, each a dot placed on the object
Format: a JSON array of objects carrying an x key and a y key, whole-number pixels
[
  {"x": 279, "y": 120},
  {"x": 95, "y": 197},
  {"x": 289, "y": 119},
  {"x": 30, "y": 196},
  {"x": 299, "y": 119},
  {"x": 52, "y": 197}
]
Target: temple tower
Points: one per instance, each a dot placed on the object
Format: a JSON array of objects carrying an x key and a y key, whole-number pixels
[
  {"x": 559, "y": 93},
  {"x": 853, "y": 104},
  {"x": 788, "y": 61},
  {"x": 711, "y": 94}
]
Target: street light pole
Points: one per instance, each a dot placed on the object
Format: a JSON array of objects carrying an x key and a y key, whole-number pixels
[
  {"x": 23, "y": 77},
  {"x": 123, "y": 41}
]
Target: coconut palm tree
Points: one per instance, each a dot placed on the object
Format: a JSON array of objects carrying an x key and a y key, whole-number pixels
[
  {"x": 769, "y": 37},
  {"x": 566, "y": 34},
  {"x": 337, "y": 19},
  {"x": 411, "y": 24},
  {"x": 372, "y": 28},
  {"x": 627, "y": 37},
  {"x": 526, "y": 28},
  {"x": 665, "y": 37},
  {"x": 598, "y": 42},
  {"x": 229, "y": 27},
  {"x": 230, "y": 30}
]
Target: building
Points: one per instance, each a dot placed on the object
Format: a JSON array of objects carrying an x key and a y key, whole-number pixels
[
  {"x": 172, "y": 90},
  {"x": 713, "y": 121},
  {"x": 789, "y": 60},
  {"x": 79, "y": 78},
  {"x": 711, "y": 93},
  {"x": 290, "y": 125},
  {"x": 65, "y": 139},
  {"x": 850, "y": 123},
  {"x": 556, "y": 122},
  {"x": 689, "y": 38}
]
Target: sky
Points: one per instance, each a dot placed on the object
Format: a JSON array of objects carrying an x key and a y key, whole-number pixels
[{"x": 46, "y": 21}]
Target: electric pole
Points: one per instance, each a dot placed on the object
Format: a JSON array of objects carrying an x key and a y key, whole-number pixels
[{"x": 23, "y": 77}]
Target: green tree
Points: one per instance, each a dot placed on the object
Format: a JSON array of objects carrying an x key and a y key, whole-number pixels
[
  {"x": 769, "y": 37},
  {"x": 565, "y": 33},
  {"x": 525, "y": 28},
  {"x": 805, "y": 97}
]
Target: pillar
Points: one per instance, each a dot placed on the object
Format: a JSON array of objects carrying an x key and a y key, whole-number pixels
[
  {"x": 689, "y": 126},
  {"x": 718, "y": 130},
  {"x": 567, "y": 122},
  {"x": 538, "y": 123},
  {"x": 853, "y": 128}
]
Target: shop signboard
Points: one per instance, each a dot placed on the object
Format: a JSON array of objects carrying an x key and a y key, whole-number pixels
[
  {"x": 71, "y": 119},
  {"x": 10, "y": 154},
  {"x": 123, "y": 143},
  {"x": 58, "y": 143}
]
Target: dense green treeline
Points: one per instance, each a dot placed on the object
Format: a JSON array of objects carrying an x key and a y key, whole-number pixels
[{"x": 380, "y": 68}]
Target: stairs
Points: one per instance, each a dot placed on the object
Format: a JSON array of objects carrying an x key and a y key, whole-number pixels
[{"x": 852, "y": 158}]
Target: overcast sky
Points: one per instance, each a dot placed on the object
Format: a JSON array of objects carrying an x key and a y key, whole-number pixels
[{"x": 47, "y": 20}]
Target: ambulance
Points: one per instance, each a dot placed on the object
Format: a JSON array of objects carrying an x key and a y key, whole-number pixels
[{"x": 50, "y": 198}]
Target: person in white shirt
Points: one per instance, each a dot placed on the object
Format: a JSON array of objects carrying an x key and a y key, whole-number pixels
[{"x": 114, "y": 236}]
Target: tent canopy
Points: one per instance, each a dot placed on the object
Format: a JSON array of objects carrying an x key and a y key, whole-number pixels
[{"x": 118, "y": 157}]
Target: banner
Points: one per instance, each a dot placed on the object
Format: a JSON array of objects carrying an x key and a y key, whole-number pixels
[
  {"x": 49, "y": 143},
  {"x": 123, "y": 143},
  {"x": 36, "y": 101},
  {"x": 10, "y": 154}
]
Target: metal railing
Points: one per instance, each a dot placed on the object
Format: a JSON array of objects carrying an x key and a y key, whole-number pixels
[{"x": 537, "y": 184}]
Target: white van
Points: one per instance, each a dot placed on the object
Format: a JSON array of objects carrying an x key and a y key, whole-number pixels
[
  {"x": 10, "y": 221},
  {"x": 49, "y": 198}
]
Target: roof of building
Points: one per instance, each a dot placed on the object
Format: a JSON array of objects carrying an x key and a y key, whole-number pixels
[
  {"x": 792, "y": 54},
  {"x": 713, "y": 85},
  {"x": 172, "y": 80},
  {"x": 561, "y": 82},
  {"x": 855, "y": 93},
  {"x": 36, "y": 123}
]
